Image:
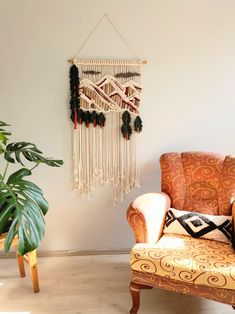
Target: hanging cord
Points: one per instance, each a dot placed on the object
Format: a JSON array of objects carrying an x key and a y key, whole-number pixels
[
  {"x": 105, "y": 16},
  {"x": 89, "y": 36},
  {"x": 122, "y": 37}
]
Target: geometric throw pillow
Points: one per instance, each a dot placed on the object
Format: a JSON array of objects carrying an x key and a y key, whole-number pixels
[{"x": 198, "y": 225}]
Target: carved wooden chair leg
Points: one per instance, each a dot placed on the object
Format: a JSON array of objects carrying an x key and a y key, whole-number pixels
[
  {"x": 135, "y": 293},
  {"x": 20, "y": 262},
  {"x": 32, "y": 258}
]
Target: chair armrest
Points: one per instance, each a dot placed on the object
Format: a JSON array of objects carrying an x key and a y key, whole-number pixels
[
  {"x": 146, "y": 216},
  {"x": 233, "y": 225}
]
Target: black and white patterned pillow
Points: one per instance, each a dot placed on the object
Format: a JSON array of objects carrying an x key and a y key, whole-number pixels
[{"x": 198, "y": 225}]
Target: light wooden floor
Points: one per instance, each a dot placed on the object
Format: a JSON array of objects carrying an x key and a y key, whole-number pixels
[{"x": 89, "y": 284}]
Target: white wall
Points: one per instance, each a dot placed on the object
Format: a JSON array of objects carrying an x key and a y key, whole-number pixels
[{"x": 188, "y": 100}]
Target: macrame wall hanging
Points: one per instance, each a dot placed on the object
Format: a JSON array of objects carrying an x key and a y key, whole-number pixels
[{"x": 104, "y": 103}]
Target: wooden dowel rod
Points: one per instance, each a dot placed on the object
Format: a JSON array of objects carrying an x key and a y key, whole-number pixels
[{"x": 106, "y": 63}]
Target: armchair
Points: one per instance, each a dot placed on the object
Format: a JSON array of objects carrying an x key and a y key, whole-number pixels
[{"x": 192, "y": 181}]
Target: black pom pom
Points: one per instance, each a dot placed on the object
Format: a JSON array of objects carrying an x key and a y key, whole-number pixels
[
  {"x": 101, "y": 120},
  {"x": 94, "y": 118},
  {"x": 80, "y": 116},
  {"x": 87, "y": 118},
  {"x": 126, "y": 131},
  {"x": 126, "y": 117},
  {"x": 73, "y": 71},
  {"x": 138, "y": 125}
]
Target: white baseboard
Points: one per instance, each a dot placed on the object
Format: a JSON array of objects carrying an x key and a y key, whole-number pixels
[{"x": 70, "y": 253}]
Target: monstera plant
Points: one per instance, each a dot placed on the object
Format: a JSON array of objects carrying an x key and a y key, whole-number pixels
[{"x": 22, "y": 205}]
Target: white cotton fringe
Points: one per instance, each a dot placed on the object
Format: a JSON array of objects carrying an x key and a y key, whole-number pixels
[
  {"x": 103, "y": 154},
  {"x": 106, "y": 155}
]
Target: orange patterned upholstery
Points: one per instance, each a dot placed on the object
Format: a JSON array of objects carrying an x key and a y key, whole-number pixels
[
  {"x": 202, "y": 182},
  {"x": 187, "y": 260}
]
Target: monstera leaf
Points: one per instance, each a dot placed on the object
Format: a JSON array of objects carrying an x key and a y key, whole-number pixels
[
  {"x": 14, "y": 151},
  {"x": 23, "y": 204},
  {"x": 3, "y": 136}
]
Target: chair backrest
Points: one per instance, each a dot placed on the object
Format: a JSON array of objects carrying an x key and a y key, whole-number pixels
[{"x": 198, "y": 181}]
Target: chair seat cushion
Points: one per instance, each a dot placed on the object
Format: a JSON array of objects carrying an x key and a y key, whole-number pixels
[{"x": 186, "y": 259}]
